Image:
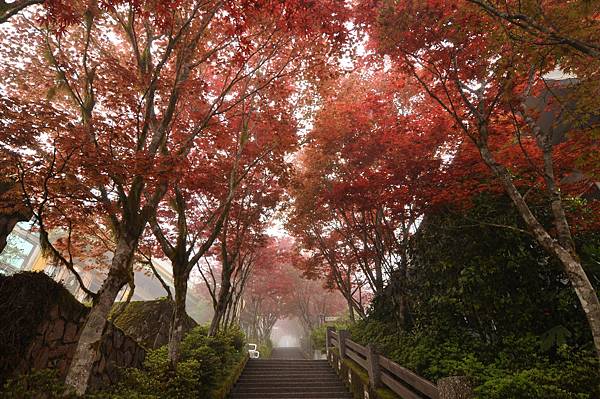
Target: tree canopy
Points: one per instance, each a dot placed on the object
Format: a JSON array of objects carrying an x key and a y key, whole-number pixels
[{"x": 300, "y": 158}]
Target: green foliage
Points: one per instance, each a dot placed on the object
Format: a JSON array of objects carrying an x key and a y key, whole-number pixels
[
  {"x": 266, "y": 349},
  {"x": 490, "y": 281},
  {"x": 488, "y": 303},
  {"x": 208, "y": 366},
  {"x": 39, "y": 384},
  {"x": 555, "y": 337},
  {"x": 318, "y": 334},
  {"x": 519, "y": 370},
  {"x": 204, "y": 364},
  {"x": 570, "y": 375}
]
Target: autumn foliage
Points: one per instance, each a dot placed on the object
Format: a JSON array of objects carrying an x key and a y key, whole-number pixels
[{"x": 133, "y": 130}]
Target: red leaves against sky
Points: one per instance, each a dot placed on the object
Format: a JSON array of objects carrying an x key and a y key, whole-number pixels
[{"x": 379, "y": 140}]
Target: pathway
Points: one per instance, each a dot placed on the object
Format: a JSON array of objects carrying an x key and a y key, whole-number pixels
[{"x": 288, "y": 375}]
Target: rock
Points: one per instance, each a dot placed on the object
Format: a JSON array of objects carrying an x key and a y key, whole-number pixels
[
  {"x": 54, "y": 312},
  {"x": 55, "y": 331},
  {"x": 458, "y": 387},
  {"x": 58, "y": 352},
  {"x": 70, "y": 335},
  {"x": 118, "y": 337},
  {"x": 102, "y": 365},
  {"x": 40, "y": 360},
  {"x": 62, "y": 367},
  {"x": 127, "y": 358},
  {"x": 42, "y": 327},
  {"x": 34, "y": 347}
]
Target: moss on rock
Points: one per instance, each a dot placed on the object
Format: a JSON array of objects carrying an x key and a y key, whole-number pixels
[{"x": 148, "y": 322}]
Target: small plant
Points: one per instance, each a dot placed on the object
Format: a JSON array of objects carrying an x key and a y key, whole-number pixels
[{"x": 39, "y": 384}]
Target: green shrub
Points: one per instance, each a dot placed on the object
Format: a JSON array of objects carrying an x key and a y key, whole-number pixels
[
  {"x": 266, "y": 349},
  {"x": 318, "y": 334},
  {"x": 39, "y": 384},
  {"x": 204, "y": 363},
  {"x": 489, "y": 304},
  {"x": 515, "y": 368}
]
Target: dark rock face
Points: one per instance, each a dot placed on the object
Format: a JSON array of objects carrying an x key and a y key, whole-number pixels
[{"x": 46, "y": 334}]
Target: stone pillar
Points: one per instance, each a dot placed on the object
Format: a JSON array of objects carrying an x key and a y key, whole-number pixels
[{"x": 458, "y": 387}]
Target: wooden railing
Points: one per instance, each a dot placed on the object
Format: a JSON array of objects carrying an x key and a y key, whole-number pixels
[{"x": 386, "y": 373}]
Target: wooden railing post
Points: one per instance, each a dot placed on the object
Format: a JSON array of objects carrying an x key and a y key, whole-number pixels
[
  {"x": 328, "y": 339},
  {"x": 373, "y": 367},
  {"x": 342, "y": 336}
]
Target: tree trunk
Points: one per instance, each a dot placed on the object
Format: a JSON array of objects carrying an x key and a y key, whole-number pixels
[
  {"x": 91, "y": 334},
  {"x": 570, "y": 263},
  {"x": 351, "y": 308},
  {"x": 254, "y": 326},
  {"x": 178, "y": 317},
  {"x": 228, "y": 314},
  {"x": 222, "y": 301},
  {"x": 216, "y": 320},
  {"x": 378, "y": 276}
]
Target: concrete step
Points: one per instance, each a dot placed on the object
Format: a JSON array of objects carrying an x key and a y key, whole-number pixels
[
  {"x": 271, "y": 377},
  {"x": 294, "y": 395},
  {"x": 302, "y": 388},
  {"x": 287, "y": 366},
  {"x": 289, "y": 383},
  {"x": 288, "y": 377},
  {"x": 289, "y": 372}
]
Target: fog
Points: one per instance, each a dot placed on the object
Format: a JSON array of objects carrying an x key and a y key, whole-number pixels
[{"x": 286, "y": 333}]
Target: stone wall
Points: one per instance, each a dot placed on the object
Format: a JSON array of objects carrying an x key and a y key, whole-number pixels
[
  {"x": 148, "y": 322},
  {"x": 49, "y": 338}
]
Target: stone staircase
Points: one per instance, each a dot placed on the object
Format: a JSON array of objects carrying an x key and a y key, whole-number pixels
[{"x": 286, "y": 375}]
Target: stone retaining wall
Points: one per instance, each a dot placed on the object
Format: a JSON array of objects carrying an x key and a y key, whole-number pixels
[
  {"x": 55, "y": 341},
  {"x": 53, "y": 337}
]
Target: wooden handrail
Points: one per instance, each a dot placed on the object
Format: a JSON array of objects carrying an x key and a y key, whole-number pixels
[
  {"x": 361, "y": 350},
  {"x": 381, "y": 370},
  {"x": 416, "y": 381}
]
